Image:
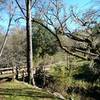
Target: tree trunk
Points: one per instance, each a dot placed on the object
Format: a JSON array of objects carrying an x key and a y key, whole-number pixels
[{"x": 29, "y": 43}]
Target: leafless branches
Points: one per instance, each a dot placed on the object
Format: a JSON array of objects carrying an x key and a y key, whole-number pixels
[
  {"x": 52, "y": 18},
  {"x": 11, "y": 15},
  {"x": 20, "y": 8}
]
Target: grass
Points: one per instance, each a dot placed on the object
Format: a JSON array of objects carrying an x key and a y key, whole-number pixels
[
  {"x": 76, "y": 88},
  {"x": 22, "y": 91}
]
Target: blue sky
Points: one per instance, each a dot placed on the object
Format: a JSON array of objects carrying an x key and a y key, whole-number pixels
[{"x": 80, "y": 4}]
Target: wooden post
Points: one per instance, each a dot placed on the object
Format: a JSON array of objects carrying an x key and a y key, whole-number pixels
[
  {"x": 17, "y": 72},
  {"x": 13, "y": 73},
  {"x": 23, "y": 75}
]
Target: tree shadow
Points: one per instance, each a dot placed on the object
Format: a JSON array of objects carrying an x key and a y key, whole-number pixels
[
  {"x": 84, "y": 73},
  {"x": 92, "y": 93},
  {"x": 27, "y": 92}
]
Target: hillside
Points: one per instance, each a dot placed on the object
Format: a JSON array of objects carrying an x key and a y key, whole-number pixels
[{"x": 22, "y": 91}]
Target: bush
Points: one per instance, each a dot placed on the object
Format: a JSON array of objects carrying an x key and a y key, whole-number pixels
[{"x": 59, "y": 78}]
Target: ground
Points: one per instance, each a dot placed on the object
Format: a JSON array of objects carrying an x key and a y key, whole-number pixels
[{"x": 16, "y": 90}]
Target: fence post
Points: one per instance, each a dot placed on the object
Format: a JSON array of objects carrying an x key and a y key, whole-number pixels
[
  {"x": 23, "y": 75},
  {"x": 17, "y": 72},
  {"x": 14, "y": 73}
]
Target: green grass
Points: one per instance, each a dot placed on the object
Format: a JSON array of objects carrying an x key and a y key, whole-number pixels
[
  {"x": 76, "y": 88},
  {"x": 22, "y": 91}
]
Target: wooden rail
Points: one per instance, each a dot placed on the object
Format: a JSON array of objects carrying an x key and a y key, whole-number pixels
[
  {"x": 13, "y": 72},
  {"x": 19, "y": 72}
]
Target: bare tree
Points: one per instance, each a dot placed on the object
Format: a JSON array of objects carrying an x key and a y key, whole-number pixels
[
  {"x": 29, "y": 42},
  {"x": 56, "y": 24},
  {"x": 28, "y": 17},
  {"x": 11, "y": 15}
]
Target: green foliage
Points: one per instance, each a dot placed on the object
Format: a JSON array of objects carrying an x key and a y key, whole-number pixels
[
  {"x": 86, "y": 73},
  {"x": 59, "y": 76},
  {"x": 39, "y": 77},
  {"x": 43, "y": 42}
]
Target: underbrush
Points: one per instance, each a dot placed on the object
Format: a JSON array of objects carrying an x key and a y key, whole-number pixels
[
  {"x": 72, "y": 78},
  {"x": 65, "y": 81}
]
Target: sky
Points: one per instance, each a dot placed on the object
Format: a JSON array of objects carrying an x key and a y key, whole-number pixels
[{"x": 80, "y": 4}]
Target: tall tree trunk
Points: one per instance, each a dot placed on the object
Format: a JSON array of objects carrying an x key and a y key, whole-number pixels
[{"x": 29, "y": 43}]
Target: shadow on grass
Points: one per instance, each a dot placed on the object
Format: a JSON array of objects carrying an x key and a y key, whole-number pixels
[
  {"x": 84, "y": 73},
  {"x": 90, "y": 93},
  {"x": 24, "y": 92}
]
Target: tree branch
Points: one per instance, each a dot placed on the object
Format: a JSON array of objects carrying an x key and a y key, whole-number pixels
[
  {"x": 80, "y": 21},
  {"x": 5, "y": 38},
  {"x": 33, "y": 4},
  {"x": 58, "y": 40},
  {"x": 20, "y": 8},
  {"x": 56, "y": 36}
]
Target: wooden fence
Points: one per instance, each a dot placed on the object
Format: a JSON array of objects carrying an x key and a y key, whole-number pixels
[
  {"x": 19, "y": 72},
  {"x": 13, "y": 72}
]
